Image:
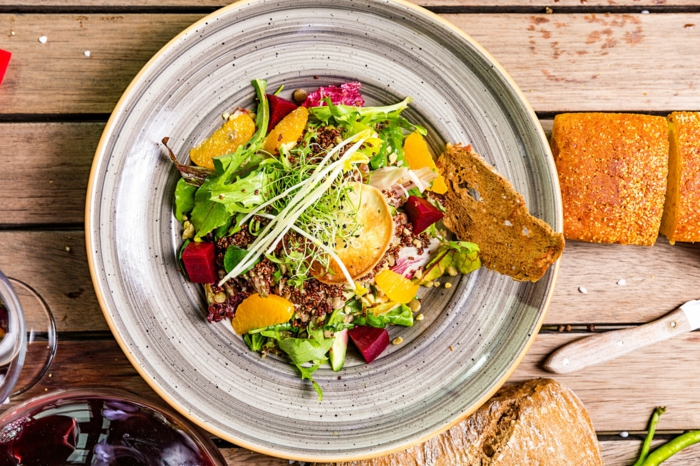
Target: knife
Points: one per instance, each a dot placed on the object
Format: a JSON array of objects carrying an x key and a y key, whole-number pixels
[{"x": 607, "y": 346}]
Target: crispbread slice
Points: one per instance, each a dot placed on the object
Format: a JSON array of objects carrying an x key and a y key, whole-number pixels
[{"x": 483, "y": 208}]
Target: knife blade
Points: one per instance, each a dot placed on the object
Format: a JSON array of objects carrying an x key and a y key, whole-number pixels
[{"x": 607, "y": 346}]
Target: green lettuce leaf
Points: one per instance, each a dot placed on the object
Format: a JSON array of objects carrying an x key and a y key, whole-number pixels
[
  {"x": 184, "y": 198},
  {"x": 461, "y": 255},
  {"x": 400, "y": 315},
  {"x": 301, "y": 350},
  {"x": 233, "y": 256},
  {"x": 254, "y": 341},
  {"x": 207, "y": 215},
  {"x": 306, "y": 373}
]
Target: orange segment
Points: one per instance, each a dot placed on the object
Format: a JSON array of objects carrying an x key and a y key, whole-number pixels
[
  {"x": 225, "y": 140},
  {"x": 287, "y": 131},
  {"x": 256, "y": 312},
  {"x": 418, "y": 156},
  {"x": 397, "y": 288}
]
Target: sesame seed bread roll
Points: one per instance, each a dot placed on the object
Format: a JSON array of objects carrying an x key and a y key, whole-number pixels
[
  {"x": 612, "y": 171},
  {"x": 537, "y": 422},
  {"x": 681, "y": 220}
]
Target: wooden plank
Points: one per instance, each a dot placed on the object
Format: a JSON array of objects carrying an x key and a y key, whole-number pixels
[
  {"x": 562, "y": 62},
  {"x": 658, "y": 279},
  {"x": 45, "y": 171},
  {"x": 554, "y": 4},
  {"x": 54, "y": 263},
  {"x": 619, "y": 395}
]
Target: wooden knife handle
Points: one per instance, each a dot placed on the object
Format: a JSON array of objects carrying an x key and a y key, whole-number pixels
[{"x": 610, "y": 345}]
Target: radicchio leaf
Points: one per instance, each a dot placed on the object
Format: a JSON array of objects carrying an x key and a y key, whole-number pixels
[{"x": 191, "y": 174}]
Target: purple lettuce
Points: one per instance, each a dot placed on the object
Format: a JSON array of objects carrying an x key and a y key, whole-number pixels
[{"x": 345, "y": 94}]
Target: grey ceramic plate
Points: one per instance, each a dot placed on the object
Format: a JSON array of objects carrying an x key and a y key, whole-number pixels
[{"x": 473, "y": 335}]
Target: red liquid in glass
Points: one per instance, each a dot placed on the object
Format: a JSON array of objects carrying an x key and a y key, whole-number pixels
[{"x": 97, "y": 431}]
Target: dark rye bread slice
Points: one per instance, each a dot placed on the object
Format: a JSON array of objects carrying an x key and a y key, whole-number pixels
[{"x": 483, "y": 208}]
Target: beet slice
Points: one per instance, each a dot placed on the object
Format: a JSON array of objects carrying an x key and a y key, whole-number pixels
[
  {"x": 421, "y": 213},
  {"x": 279, "y": 108},
  {"x": 200, "y": 262},
  {"x": 370, "y": 341}
]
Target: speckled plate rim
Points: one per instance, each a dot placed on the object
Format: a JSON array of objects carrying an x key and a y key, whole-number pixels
[{"x": 91, "y": 190}]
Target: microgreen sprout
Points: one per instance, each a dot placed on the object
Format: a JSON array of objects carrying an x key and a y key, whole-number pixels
[{"x": 303, "y": 196}]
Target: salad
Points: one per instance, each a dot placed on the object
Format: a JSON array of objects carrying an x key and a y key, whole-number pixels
[{"x": 313, "y": 225}]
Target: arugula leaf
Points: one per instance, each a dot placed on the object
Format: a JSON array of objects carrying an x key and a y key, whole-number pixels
[
  {"x": 306, "y": 375},
  {"x": 461, "y": 255},
  {"x": 400, "y": 315},
  {"x": 184, "y": 198},
  {"x": 207, "y": 214},
  {"x": 234, "y": 255},
  {"x": 242, "y": 195}
]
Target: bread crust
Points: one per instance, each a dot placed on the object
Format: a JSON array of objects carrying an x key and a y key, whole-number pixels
[
  {"x": 536, "y": 423},
  {"x": 612, "y": 172},
  {"x": 511, "y": 241},
  {"x": 681, "y": 220}
]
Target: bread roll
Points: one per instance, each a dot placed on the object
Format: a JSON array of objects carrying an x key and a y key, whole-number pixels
[
  {"x": 533, "y": 423},
  {"x": 612, "y": 171},
  {"x": 681, "y": 220}
]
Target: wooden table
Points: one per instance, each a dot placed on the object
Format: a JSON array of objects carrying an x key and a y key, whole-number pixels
[{"x": 566, "y": 55}]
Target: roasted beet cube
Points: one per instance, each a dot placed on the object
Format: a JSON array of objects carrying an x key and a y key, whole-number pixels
[
  {"x": 279, "y": 108},
  {"x": 370, "y": 341},
  {"x": 200, "y": 262},
  {"x": 421, "y": 213}
]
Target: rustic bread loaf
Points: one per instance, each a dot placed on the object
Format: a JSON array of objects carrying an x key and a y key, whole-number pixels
[
  {"x": 482, "y": 207},
  {"x": 535, "y": 423},
  {"x": 681, "y": 219},
  {"x": 612, "y": 171}
]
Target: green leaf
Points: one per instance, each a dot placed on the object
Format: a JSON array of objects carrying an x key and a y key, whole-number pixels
[
  {"x": 306, "y": 373},
  {"x": 180, "y": 264},
  {"x": 223, "y": 229},
  {"x": 234, "y": 255},
  {"x": 184, "y": 198},
  {"x": 301, "y": 350},
  {"x": 400, "y": 315},
  {"x": 207, "y": 215},
  {"x": 461, "y": 255},
  {"x": 254, "y": 341},
  {"x": 242, "y": 195}
]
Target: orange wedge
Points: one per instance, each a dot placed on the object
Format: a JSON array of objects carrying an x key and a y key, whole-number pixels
[
  {"x": 225, "y": 140},
  {"x": 396, "y": 287},
  {"x": 257, "y": 312},
  {"x": 287, "y": 131},
  {"x": 418, "y": 156}
]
